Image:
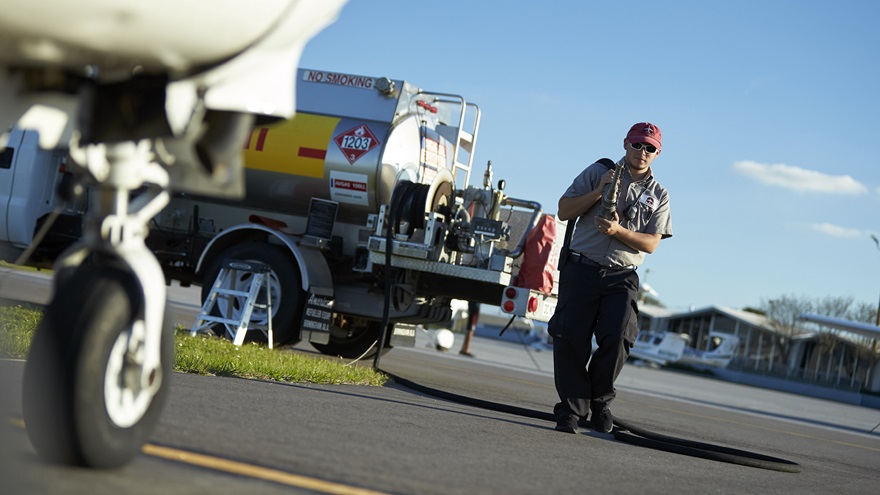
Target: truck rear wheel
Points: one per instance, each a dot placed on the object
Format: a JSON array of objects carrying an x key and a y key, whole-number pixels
[
  {"x": 284, "y": 285},
  {"x": 357, "y": 338}
]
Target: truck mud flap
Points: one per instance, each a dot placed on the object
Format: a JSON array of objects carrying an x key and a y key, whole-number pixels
[
  {"x": 317, "y": 316},
  {"x": 403, "y": 335}
]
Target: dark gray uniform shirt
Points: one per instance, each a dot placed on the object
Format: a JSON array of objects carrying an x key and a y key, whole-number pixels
[{"x": 643, "y": 207}]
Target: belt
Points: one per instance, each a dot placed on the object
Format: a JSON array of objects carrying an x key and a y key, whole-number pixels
[{"x": 583, "y": 260}]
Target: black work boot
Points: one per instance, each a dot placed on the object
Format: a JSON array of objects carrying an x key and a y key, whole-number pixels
[
  {"x": 568, "y": 424},
  {"x": 600, "y": 417}
]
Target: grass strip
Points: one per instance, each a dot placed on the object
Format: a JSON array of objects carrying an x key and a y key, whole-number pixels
[
  {"x": 17, "y": 326},
  {"x": 210, "y": 355},
  {"x": 214, "y": 356}
]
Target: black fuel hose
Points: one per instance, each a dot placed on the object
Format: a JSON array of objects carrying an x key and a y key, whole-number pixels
[
  {"x": 402, "y": 192},
  {"x": 625, "y": 431}
]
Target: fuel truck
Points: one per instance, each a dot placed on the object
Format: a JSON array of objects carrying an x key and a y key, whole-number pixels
[{"x": 367, "y": 209}]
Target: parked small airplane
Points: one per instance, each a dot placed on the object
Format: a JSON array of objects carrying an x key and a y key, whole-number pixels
[{"x": 668, "y": 347}]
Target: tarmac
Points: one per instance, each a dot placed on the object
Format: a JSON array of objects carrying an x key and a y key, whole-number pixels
[
  {"x": 518, "y": 351},
  {"x": 528, "y": 352}
]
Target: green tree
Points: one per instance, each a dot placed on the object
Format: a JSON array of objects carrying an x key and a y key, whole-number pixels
[
  {"x": 784, "y": 312},
  {"x": 863, "y": 312}
]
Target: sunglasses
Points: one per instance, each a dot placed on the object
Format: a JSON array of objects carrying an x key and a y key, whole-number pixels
[{"x": 650, "y": 148}]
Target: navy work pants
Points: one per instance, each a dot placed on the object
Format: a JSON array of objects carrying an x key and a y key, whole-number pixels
[{"x": 592, "y": 301}]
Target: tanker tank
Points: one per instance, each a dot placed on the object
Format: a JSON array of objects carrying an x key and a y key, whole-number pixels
[{"x": 352, "y": 140}]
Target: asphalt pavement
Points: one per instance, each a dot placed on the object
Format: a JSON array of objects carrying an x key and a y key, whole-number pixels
[
  {"x": 229, "y": 436},
  {"x": 225, "y": 435},
  {"x": 518, "y": 351}
]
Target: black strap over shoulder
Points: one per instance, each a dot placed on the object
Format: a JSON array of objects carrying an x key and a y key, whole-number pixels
[
  {"x": 607, "y": 162},
  {"x": 569, "y": 228}
]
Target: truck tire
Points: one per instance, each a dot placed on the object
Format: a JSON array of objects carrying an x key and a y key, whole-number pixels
[
  {"x": 358, "y": 340},
  {"x": 284, "y": 283},
  {"x": 79, "y": 401}
]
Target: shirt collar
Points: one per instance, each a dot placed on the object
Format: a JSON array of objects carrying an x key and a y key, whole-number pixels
[{"x": 645, "y": 180}]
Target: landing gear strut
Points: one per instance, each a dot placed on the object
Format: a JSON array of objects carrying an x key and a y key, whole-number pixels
[{"x": 99, "y": 364}]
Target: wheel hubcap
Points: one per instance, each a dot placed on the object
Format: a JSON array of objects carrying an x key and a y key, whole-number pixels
[
  {"x": 259, "y": 315},
  {"x": 125, "y": 398}
]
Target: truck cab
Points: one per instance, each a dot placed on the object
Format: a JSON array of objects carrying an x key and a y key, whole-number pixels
[{"x": 29, "y": 180}]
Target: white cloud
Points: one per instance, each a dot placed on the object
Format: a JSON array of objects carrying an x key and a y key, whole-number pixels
[
  {"x": 799, "y": 179},
  {"x": 836, "y": 230}
]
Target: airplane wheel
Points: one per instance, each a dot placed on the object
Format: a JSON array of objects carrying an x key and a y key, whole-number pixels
[{"x": 83, "y": 401}]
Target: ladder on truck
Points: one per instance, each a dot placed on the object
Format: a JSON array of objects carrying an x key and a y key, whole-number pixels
[
  {"x": 256, "y": 295},
  {"x": 458, "y": 135}
]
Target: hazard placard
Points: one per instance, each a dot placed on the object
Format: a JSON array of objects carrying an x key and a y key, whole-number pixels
[{"x": 355, "y": 142}]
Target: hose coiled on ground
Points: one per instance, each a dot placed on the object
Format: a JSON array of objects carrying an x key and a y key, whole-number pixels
[{"x": 625, "y": 432}]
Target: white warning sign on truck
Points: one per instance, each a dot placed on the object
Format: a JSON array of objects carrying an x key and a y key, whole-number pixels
[
  {"x": 349, "y": 80},
  {"x": 348, "y": 188}
]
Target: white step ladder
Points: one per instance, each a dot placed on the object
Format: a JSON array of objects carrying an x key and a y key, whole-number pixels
[{"x": 224, "y": 287}]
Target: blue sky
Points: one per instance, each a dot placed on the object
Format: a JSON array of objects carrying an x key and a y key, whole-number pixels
[{"x": 769, "y": 112}]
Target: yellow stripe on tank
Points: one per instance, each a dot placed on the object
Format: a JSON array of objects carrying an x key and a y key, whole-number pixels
[{"x": 297, "y": 146}]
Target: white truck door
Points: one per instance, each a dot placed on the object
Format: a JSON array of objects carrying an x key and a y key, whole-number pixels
[
  {"x": 27, "y": 186},
  {"x": 7, "y": 171}
]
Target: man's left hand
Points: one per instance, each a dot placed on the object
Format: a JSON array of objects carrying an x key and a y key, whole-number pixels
[{"x": 608, "y": 227}]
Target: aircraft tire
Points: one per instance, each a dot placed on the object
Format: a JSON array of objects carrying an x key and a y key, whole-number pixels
[{"x": 82, "y": 402}]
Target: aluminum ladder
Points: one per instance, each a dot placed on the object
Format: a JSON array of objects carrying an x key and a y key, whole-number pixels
[{"x": 231, "y": 272}]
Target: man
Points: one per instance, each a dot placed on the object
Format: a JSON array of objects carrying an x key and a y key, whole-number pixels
[
  {"x": 598, "y": 286},
  {"x": 473, "y": 317}
]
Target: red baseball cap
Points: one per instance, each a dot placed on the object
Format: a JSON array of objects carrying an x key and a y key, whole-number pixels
[{"x": 645, "y": 132}]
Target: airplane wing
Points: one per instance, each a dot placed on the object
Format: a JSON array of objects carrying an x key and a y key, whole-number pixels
[{"x": 856, "y": 327}]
